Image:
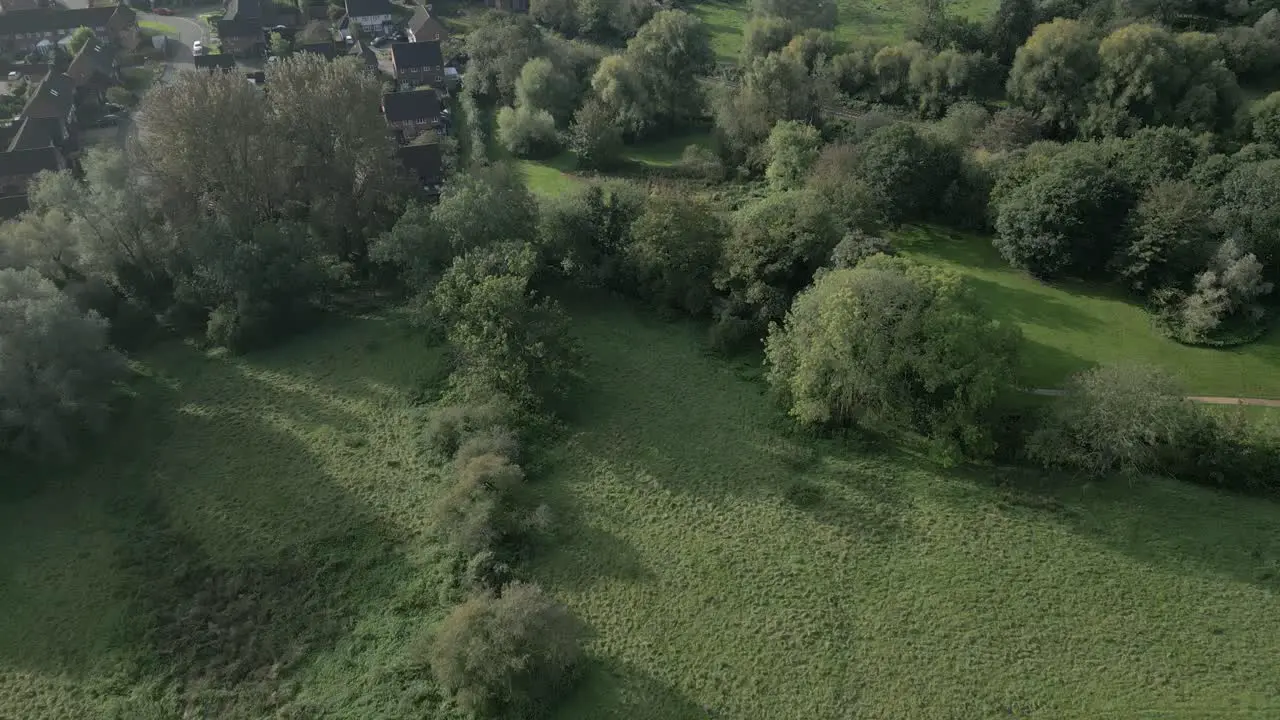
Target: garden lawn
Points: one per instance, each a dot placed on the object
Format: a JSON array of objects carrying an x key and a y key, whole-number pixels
[
  {"x": 1071, "y": 326},
  {"x": 872, "y": 20},
  {"x": 251, "y": 539},
  {"x": 728, "y": 569}
]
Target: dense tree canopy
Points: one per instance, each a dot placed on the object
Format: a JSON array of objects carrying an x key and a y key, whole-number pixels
[
  {"x": 1053, "y": 71},
  {"x": 892, "y": 342},
  {"x": 58, "y": 375}
]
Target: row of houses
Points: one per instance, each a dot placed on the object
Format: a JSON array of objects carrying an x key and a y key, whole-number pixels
[
  {"x": 46, "y": 134},
  {"x": 23, "y": 28}
]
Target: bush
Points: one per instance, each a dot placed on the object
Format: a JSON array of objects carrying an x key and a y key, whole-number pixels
[
  {"x": 507, "y": 656},
  {"x": 792, "y": 149},
  {"x": 701, "y": 163},
  {"x": 527, "y": 132},
  {"x": 448, "y": 427},
  {"x": 1115, "y": 418},
  {"x": 497, "y": 440},
  {"x": 890, "y": 342},
  {"x": 478, "y": 513},
  {"x": 856, "y": 247},
  {"x": 594, "y": 137},
  {"x": 58, "y": 375}
]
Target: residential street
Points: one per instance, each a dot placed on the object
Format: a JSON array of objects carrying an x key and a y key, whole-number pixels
[{"x": 189, "y": 30}]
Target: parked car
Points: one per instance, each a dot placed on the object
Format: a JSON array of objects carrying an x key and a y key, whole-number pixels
[
  {"x": 114, "y": 108},
  {"x": 108, "y": 121},
  {"x": 400, "y": 37},
  {"x": 381, "y": 41},
  {"x": 163, "y": 11}
]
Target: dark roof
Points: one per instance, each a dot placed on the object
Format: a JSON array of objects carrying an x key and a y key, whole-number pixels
[
  {"x": 221, "y": 61},
  {"x": 424, "y": 161},
  {"x": 240, "y": 28},
  {"x": 53, "y": 97},
  {"x": 368, "y": 8},
  {"x": 422, "y": 25},
  {"x": 11, "y": 5},
  {"x": 257, "y": 10},
  {"x": 13, "y": 206},
  {"x": 30, "y": 162},
  {"x": 325, "y": 49},
  {"x": 417, "y": 55},
  {"x": 364, "y": 53},
  {"x": 411, "y": 105},
  {"x": 94, "y": 59},
  {"x": 44, "y": 20}
]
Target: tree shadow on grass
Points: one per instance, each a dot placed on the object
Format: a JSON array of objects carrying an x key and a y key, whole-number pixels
[
  {"x": 208, "y": 551},
  {"x": 611, "y": 690},
  {"x": 1031, "y": 308},
  {"x": 1168, "y": 524},
  {"x": 1046, "y": 366}
]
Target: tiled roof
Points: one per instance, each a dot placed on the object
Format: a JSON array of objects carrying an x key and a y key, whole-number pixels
[
  {"x": 416, "y": 55},
  {"x": 411, "y": 105}
]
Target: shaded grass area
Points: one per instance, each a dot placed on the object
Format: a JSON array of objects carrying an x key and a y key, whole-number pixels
[
  {"x": 250, "y": 542},
  {"x": 158, "y": 28},
  {"x": 731, "y": 569},
  {"x": 1069, "y": 326},
  {"x": 873, "y": 20}
]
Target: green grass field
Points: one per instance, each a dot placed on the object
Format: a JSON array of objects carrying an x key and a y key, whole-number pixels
[
  {"x": 251, "y": 541},
  {"x": 725, "y": 564},
  {"x": 252, "y": 537},
  {"x": 1071, "y": 326},
  {"x": 875, "y": 20}
]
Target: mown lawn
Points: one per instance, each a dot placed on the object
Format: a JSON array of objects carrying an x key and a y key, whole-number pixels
[
  {"x": 251, "y": 539},
  {"x": 1071, "y": 326},
  {"x": 874, "y": 20},
  {"x": 729, "y": 569}
]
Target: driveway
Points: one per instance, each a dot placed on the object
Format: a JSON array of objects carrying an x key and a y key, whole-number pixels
[{"x": 189, "y": 30}]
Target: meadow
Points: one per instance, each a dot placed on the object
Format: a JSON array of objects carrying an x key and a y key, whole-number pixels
[
  {"x": 870, "y": 20},
  {"x": 252, "y": 538}
]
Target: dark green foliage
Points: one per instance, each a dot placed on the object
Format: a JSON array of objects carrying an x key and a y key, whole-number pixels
[
  {"x": 763, "y": 36},
  {"x": 509, "y": 656},
  {"x": 1265, "y": 116},
  {"x": 701, "y": 163},
  {"x": 509, "y": 340},
  {"x": 1009, "y": 28},
  {"x": 1223, "y": 306},
  {"x": 836, "y": 179},
  {"x": 1053, "y": 72},
  {"x": 776, "y": 245},
  {"x": 674, "y": 250},
  {"x": 1249, "y": 211},
  {"x": 498, "y": 49},
  {"x": 58, "y": 375},
  {"x": 772, "y": 89},
  {"x": 908, "y": 171},
  {"x": 584, "y": 233},
  {"x": 668, "y": 55},
  {"x": 888, "y": 342},
  {"x": 856, "y": 247},
  {"x": 527, "y": 131},
  {"x": 792, "y": 150},
  {"x": 1171, "y": 236},
  {"x": 1009, "y": 129},
  {"x": 1064, "y": 219}
]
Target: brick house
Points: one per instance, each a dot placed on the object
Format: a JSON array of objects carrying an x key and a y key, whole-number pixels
[
  {"x": 418, "y": 63},
  {"x": 411, "y": 113},
  {"x": 240, "y": 30},
  {"x": 22, "y": 30},
  {"x": 424, "y": 28}
]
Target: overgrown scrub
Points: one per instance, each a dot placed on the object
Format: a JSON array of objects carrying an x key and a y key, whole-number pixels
[
  {"x": 507, "y": 655},
  {"x": 477, "y": 513},
  {"x": 892, "y": 343},
  {"x": 1137, "y": 419}
]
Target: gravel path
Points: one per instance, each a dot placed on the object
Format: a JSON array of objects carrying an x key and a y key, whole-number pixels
[{"x": 1206, "y": 399}]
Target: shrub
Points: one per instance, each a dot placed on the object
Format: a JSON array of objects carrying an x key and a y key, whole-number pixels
[
  {"x": 856, "y": 247},
  {"x": 792, "y": 149},
  {"x": 58, "y": 375},
  {"x": 449, "y": 426},
  {"x": 1114, "y": 418},
  {"x": 507, "y": 656},
  {"x": 497, "y": 440},
  {"x": 701, "y": 163},
  {"x": 477, "y": 513},
  {"x": 594, "y": 137},
  {"x": 527, "y": 132},
  {"x": 894, "y": 343}
]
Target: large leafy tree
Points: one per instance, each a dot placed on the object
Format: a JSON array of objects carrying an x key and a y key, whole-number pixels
[
  {"x": 1170, "y": 236},
  {"x": 1064, "y": 218},
  {"x": 892, "y": 342},
  {"x": 57, "y": 372},
  {"x": 1249, "y": 211},
  {"x": 497, "y": 51},
  {"x": 667, "y": 56},
  {"x": 909, "y": 171},
  {"x": 674, "y": 250},
  {"x": 1053, "y": 72},
  {"x": 774, "y": 88}
]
